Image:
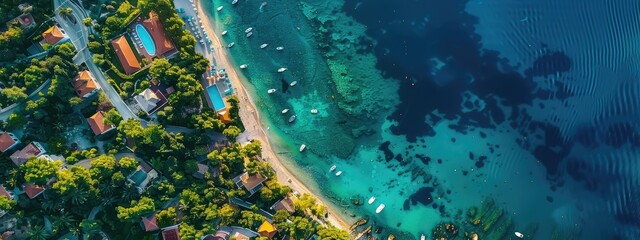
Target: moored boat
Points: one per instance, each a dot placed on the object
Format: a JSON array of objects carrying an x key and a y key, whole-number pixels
[
  {"x": 519, "y": 234},
  {"x": 248, "y": 30},
  {"x": 314, "y": 111},
  {"x": 292, "y": 118},
  {"x": 219, "y": 8},
  {"x": 380, "y": 207},
  {"x": 271, "y": 90},
  {"x": 264, "y": 45},
  {"x": 280, "y": 48},
  {"x": 293, "y": 83},
  {"x": 249, "y": 34},
  {"x": 286, "y": 110},
  {"x": 338, "y": 173},
  {"x": 243, "y": 66},
  {"x": 333, "y": 168},
  {"x": 302, "y": 147},
  {"x": 223, "y": 33},
  {"x": 234, "y": 2},
  {"x": 231, "y": 44},
  {"x": 372, "y": 199},
  {"x": 282, "y": 70},
  {"x": 423, "y": 237}
]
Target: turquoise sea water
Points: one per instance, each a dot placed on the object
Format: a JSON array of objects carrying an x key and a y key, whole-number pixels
[{"x": 434, "y": 107}]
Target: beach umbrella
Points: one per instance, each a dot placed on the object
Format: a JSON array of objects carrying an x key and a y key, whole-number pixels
[
  {"x": 195, "y": 9},
  {"x": 193, "y": 5}
]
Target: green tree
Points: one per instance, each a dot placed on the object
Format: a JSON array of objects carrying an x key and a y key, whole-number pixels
[
  {"x": 87, "y": 21},
  {"x": 103, "y": 167},
  {"x": 65, "y": 12},
  {"x": 39, "y": 170},
  {"x": 231, "y": 133},
  {"x": 300, "y": 228},
  {"x": 15, "y": 121},
  {"x": 207, "y": 121},
  {"x": 227, "y": 214},
  {"x": 128, "y": 164},
  {"x": 76, "y": 178},
  {"x": 136, "y": 210},
  {"x": 260, "y": 167},
  {"x": 112, "y": 117},
  {"x": 131, "y": 128},
  {"x": 332, "y": 233},
  {"x": 250, "y": 219},
  {"x": 166, "y": 217},
  {"x": 158, "y": 69},
  {"x": 14, "y": 94},
  {"x": 37, "y": 233},
  {"x": 307, "y": 201},
  {"x": 6, "y": 204}
]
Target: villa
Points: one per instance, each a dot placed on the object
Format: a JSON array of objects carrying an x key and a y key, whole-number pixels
[
  {"x": 284, "y": 204},
  {"x": 267, "y": 229},
  {"x": 8, "y": 141},
  {"x": 54, "y": 35},
  {"x": 25, "y": 21},
  {"x": 32, "y": 191},
  {"x": 150, "y": 38},
  {"x": 150, "y": 101},
  {"x": 127, "y": 58},
  {"x": 149, "y": 224},
  {"x": 251, "y": 183},
  {"x": 141, "y": 178},
  {"x": 171, "y": 233},
  {"x": 84, "y": 84},
  {"x": 97, "y": 124},
  {"x": 34, "y": 149}
]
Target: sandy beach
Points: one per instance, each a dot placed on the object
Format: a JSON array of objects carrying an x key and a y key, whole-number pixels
[{"x": 249, "y": 114}]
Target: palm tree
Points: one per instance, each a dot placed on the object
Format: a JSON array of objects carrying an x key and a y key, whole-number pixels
[
  {"x": 37, "y": 233},
  {"x": 65, "y": 12},
  {"x": 64, "y": 221}
]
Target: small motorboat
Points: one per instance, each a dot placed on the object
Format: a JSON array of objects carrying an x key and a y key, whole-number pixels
[
  {"x": 286, "y": 110},
  {"x": 302, "y": 147},
  {"x": 338, "y": 173},
  {"x": 224, "y": 33},
  {"x": 333, "y": 168},
  {"x": 282, "y": 70},
  {"x": 423, "y": 237},
  {"x": 271, "y": 90},
  {"x": 219, "y": 8},
  {"x": 372, "y": 199},
  {"x": 231, "y": 44},
  {"x": 380, "y": 207},
  {"x": 248, "y": 30},
  {"x": 519, "y": 234},
  {"x": 243, "y": 66},
  {"x": 264, "y": 45},
  {"x": 249, "y": 34},
  {"x": 293, "y": 83},
  {"x": 280, "y": 48},
  {"x": 292, "y": 118},
  {"x": 314, "y": 111},
  {"x": 234, "y": 2}
]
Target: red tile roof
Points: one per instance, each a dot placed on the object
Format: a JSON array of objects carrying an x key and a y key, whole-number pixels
[
  {"x": 6, "y": 141},
  {"x": 150, "y": 224},
  {"x": 83, "y": 83},
  {"x": 171, "y": 234},
  {"x": 4, "y": 192},
  {"x": 53, "y": 35},
  {"x": 32, "y": 191},
  {"x": 285, "y": 204},
  {"x": 97, "y": 123},
  {"x": 154, "y": 26},
  {"x": 125, "y": 54},
  {"x": 20, "y": 157}
]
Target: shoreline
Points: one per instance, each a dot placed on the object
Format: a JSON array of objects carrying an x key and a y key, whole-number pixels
[{"x": 252, "y": 122}]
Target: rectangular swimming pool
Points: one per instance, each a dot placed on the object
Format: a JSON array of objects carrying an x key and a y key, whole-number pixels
[{"x": 216, "y": 98}]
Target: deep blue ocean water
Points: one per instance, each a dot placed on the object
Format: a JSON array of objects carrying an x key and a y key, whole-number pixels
[{"x": 532, "y": 103}]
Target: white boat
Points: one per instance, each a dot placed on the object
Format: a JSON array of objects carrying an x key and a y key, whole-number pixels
[
  {"x": 234, "y": 2},
  {"x": 219, "y": 8},
  {"x": 314, "y": 111},
  {"x": 423, "y": 237},
  {"x": 372, "y": 199},
  {"x": 380, "y": 207},
  {"x": 231, "y": 44},
  {"x": 293, "y": 83},
  {"x": 248, "y": 30},
  {"x": 333, "y": 168},
  {"x": 286, "y": 110},
  {"x": 271, "y": 90},
  {"x": 249, "y": 34},
  {"x": 224, "y": 33},
  {"x": 282, "y": 70},
  {"x": 280, "y": 48},
  {"x": 519, "y": 234},
  {"x": 292, "y": 118},
  {"x": 243, "y": 66},
  {"x": 302, "y": 147},
  {"x": 264, "y": 45},
  {"x": 339, "y": 173}
]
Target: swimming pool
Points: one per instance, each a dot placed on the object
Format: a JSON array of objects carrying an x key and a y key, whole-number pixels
[
  {"x": 216, "y": 98},
  {"x": 145, "y": 38}
]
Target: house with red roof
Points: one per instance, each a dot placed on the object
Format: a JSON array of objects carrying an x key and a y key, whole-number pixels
[
  {"x": 5, "y": 192},
  {"x": 25, "y": 21},
  {"x": 8, "y": 141},
  {"x": 284, "y": 204},
  {"x": 84, "y": 84},
  {"x": 164, "y": 46},
  {"x": 32, "y": 190},
  {"x": 171, "y": 233},
  {"x": 128, "y": 59},
  {"x": 149, "y": 224},
  {"x": 34, "y": 149},
  {"x": 96, "y": 122},
  {"x": 54, "y": 35}
]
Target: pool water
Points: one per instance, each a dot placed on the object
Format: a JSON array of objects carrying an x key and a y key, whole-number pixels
[
  {"x": 216, "y": 98},
  {"x": 146, "y": 39}
]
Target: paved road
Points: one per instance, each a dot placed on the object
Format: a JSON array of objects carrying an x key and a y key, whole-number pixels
[{"x": 78, "y": 33}]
